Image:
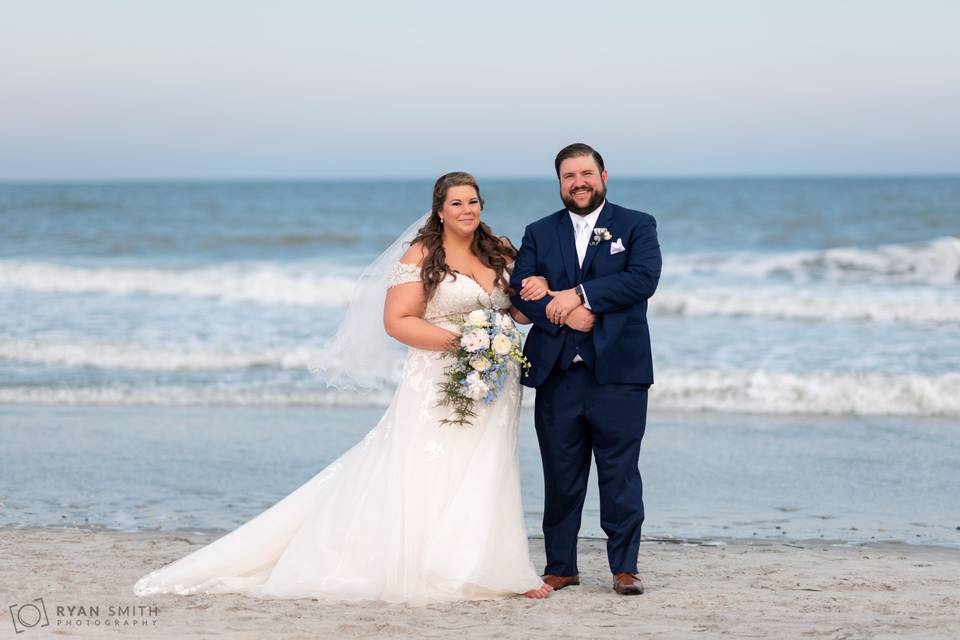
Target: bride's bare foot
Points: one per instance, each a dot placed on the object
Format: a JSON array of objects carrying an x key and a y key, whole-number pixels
[{"x": 539, "y": 594}]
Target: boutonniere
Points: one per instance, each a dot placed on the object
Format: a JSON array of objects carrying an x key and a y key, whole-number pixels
[{"x": 600, "y": 234}]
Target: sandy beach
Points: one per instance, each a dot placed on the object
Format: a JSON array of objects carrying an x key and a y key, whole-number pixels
[{"x": 695, "y": 589}]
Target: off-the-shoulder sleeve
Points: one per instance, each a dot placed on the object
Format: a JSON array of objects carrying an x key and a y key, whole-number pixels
[{"x": 403, "y": 273}]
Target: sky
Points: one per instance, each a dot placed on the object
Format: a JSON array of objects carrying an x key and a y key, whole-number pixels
[{"x": 210, "y": 89}]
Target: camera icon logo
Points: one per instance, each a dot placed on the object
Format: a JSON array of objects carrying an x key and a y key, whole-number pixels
[{"x": 27, "y": 616}]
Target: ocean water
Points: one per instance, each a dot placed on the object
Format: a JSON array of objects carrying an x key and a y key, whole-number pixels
[
  {"x": 794, "y": 296},
  {"x": 796, "y": 299}
]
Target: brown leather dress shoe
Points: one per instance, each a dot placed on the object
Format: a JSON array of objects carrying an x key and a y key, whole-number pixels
[
  {"x": 627, "y": 584},
  {"x": 559, "y": 582}
]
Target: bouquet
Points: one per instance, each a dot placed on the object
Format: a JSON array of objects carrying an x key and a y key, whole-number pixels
[{"x": 489, "y": 344}]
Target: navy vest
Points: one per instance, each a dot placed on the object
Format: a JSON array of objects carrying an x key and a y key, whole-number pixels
[{"x": 577, "y": 342}]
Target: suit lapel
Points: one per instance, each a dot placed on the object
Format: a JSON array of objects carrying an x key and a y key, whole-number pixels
[
  {"x": 606, "y": 216},
  {"x": 568, "y": 247}
]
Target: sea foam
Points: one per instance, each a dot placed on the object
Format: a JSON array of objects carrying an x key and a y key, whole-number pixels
[
  {"x": 762, "y": 392},
  {"x": 934, "y": 262}
]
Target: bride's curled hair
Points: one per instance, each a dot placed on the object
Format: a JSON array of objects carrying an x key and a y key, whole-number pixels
[{"x": 491, "y": 250}]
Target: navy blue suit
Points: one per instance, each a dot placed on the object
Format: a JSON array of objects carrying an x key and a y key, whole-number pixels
[{"x": 599, "y": 405}]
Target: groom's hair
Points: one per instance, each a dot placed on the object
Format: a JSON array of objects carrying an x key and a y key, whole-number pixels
[{"x": 576, "y": 150}]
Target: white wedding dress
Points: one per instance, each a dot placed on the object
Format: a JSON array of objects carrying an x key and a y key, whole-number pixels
[{"x": 416, "y": 512}]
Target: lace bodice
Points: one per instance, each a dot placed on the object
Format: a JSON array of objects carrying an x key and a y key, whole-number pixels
[{"x": 457, "y": 295}]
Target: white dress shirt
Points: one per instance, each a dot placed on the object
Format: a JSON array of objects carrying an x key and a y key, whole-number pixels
[{"x": 582, "y": 232}]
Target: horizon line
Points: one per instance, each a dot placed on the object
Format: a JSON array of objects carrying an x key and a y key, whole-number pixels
[{"x": 513, "y": 177}]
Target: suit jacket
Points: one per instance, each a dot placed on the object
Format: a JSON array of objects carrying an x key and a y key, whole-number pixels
[{"x": 617, "y": 285}]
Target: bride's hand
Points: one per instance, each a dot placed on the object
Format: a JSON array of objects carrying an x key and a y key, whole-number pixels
[
  {"x": 534, "y": 288},
  {"x": 454, "y": 344}
]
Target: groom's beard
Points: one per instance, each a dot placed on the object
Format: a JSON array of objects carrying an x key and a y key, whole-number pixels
[{"x": 595, "y": 201}]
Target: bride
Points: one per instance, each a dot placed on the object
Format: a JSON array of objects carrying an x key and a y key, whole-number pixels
[{"x": 418, "y": 511}]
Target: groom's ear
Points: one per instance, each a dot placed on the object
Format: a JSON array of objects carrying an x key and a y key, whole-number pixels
[{"x": 603, "y": 176}]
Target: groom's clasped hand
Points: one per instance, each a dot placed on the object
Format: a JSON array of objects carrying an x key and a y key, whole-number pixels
[{"x": 577, "y": 316}]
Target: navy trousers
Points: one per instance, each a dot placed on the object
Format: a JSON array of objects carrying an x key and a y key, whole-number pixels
[{"x": 575, "y": 417}]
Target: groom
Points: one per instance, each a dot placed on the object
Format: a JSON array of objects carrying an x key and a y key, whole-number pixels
[{"x": 590, "y": 351}]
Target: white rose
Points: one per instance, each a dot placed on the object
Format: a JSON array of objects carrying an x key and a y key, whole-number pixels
[
  {"x": 477, "y": 318},
  {"x": 480, "y": 363},
  {"x": 502, "y": 345},
  {"x": 474, "y": 341}
]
